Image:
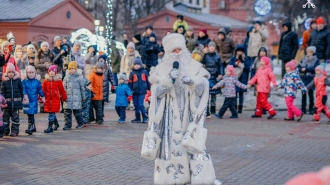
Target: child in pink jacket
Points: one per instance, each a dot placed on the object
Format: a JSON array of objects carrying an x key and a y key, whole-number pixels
[{"x": 263, "y": 78}]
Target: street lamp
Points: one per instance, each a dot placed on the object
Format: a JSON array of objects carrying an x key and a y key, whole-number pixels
[{"x": 96, "y": 23}]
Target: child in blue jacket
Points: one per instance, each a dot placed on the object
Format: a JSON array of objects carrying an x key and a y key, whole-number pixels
[{"x": 122, "y": 94}]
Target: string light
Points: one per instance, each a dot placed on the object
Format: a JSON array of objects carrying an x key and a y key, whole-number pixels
[{"x": 109, "y": 27}]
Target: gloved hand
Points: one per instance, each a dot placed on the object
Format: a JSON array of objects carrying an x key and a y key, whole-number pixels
[
  {"x": 187, "y": 80},
  {"x": 4, "y": 106},
  {"x": 174, "y": 73},
  {"x": 130, "y": 98},
  {"x": 43, "y": 99},
  {"x": 26, "y": 99}
]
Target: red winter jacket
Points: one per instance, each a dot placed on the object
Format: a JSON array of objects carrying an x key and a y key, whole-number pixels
[
  {"x": 53, "y": 89},
  {"x": 263, "y": 78}
]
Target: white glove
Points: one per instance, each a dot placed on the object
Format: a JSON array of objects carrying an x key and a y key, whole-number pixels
[
  {"x": 186, "y": 80},
  {"x": 174, "y": 73}
]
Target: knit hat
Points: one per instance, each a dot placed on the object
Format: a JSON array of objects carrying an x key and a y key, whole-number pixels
[
  {"x": 203, "y": 30},
  {"x": 212, "y": 44},
  {"x": 99, "y": 65},
  {"x": 131, "y": 45},
  {"x": 72, "y": 64},
  {"x": 28, "y": 69},
  {"x": 149, "y": 27},
  {"x": 313, "y": 21},
  {"x": 77, "y": 43},
  {"x": 44, "y": 44},
  {"x": 292, "y": 64},
  {"x": 190, "y": 28},
  {"x": 56, "y": 38},
  {"x": 4, "y": 43},
  {"x": 320, "y": 68},
  {"x": 18, "y": 47},
  {"x": 173, "y": 41},
  {"x": 10, "y": 68},
  {"x": 153, "y": 35},
  {"x": 123, "y": 76},
  {"x": 104, "y": 57},
  {"x": 53, "y": 68},
  {"x": 30, "y": 46},
  {"x": 266, "y": 60},
  {"x": 320, "y": 20},
  {"x": 258, "y": 22},
  {"x": 231, "y": 69},
  {"x": 180, "y": 17},
  {"x": 138, "y": 61},
  {"x": 312, "y": 48}
]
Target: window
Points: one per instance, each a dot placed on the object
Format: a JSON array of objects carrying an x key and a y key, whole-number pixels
[
  {"x": 205, "y": 3},
  {"x": 167, "y": 19},
  {"x": 190, "y": 1},
  {"x": 197, "y": 2}
]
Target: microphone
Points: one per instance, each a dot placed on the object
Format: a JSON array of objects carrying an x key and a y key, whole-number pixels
[{"x": 175, "y": 67}]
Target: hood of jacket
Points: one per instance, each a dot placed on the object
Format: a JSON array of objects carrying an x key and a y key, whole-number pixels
[
  {"x": 37, "y": 77},
  {"x": 240, "y": 47},
  {"x": 248, "y": 32},
  {"x": 288, "y": 24},
  {"x": 14, "y": 78},
  {"x": 223, "y": 31},
  {"x": 263, "y": 49},
  {"x": 57, "y": 77}
]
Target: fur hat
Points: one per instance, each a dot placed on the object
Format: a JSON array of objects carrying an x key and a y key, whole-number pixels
[
  {"x": 131, "y": 45},
  {"x": 53, "y": 68},
  {"x": 138, "y": 61},
  {"x": 173, "y": 41},
  {"x": 10, "y": 68},
  {"x": 231, "y": 69},
  {"x": 312, "y": 48},
  {"x": 30, "y": 46},
  {"x": 56, "y": 38},
  {"x": 320, "y": 20},
  {"x": 212, "y": 44},
  {"x": 72, "y": 64},
  {"x": 10, "y": 36},
  {"x": 203, "y": 30},
  {"x": 99, "y": 65},
  {"x": 292, "y": 64},
  {"x": 104, "y": 57},
  {"x": 123, "y": 76},
  {"x": 44, "y": 43}
]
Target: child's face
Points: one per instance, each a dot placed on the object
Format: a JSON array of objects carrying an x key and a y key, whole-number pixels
[
  {"x": 130, "y": 50},
  {"x": 152, "y": 39},
  {"x": 31, "y": 74},
  {"x": 101, "y": 60},
  {"x": 317, "y": 72},
  {"x": 239, "y": 52},
  {"x": 262, "y": 54},
  {"x": 121, "y": 81},
  {"x": 72, "y": 70},
  {"x": 189, "y": 33},
  {"x": 228, "y": 72},
  {"x": 11, "y": 74},
  {"x": 211, "y": 49},
  {"x": 51, "y": 73},
  {"x": 310, "y": 53},
  {"x": 99, "y": 70},
  {"x": 262, "y": 63},
  {"x": 288, "y": 69},
  {"x": 137, "y": 66}
]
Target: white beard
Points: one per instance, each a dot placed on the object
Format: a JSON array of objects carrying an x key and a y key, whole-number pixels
[{"x": 183, "y": 57}]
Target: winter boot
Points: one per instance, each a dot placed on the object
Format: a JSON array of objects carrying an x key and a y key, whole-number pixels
[
  {"x": 264, "y": 111},
  {"x": 50, "y": 127},
  {"x": 56, "y": 125},
  {"x": 14, "y": 129},
  {"x": 145, "y": 118},
  {"x": 137, "y": 118},
  {"x": 2, "y": 130},
  {"x": 208, "y": 114},
  {"x": 7, "y": 129},
  {"x": 240, "y": 109},
  {"x": 212, "y": 109},
  {"x": 29, "y": 127}
]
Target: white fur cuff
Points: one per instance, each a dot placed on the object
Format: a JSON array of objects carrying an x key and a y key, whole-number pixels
[{"x": 166, "y": 82}]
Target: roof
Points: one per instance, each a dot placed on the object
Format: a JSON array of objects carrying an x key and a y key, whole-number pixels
[
  {"x": 213, "y": 19},
  {"x": 24, "y": 10}
]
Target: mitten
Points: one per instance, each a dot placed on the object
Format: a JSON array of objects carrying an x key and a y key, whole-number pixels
[
  {"x": 25, "y": 99},
  {"x": 130, "y": 98}
]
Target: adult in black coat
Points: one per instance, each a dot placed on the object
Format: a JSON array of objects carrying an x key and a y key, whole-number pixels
[
  {"x": 203, "y": 38},
  {"x": 152, "y": 50},
  {"x": 288, "y": 45},
  {"x": 140, "y": 47},
  {"x": 320, "y": 38},
  {"x": 213, "y": 65}
]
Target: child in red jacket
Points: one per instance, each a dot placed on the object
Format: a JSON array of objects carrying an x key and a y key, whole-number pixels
[
  {"x": 53, "y": 89},
  {"x": 263, "y": 78},
  {"x": 320, "y": 83}
]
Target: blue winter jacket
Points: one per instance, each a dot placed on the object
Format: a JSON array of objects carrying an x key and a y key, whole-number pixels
[
  {"x": 32, "y": 88},
  {"x": 122, "y": 93}
]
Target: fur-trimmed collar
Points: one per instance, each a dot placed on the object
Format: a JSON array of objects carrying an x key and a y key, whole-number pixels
[
  {"x": 78, "y": 73},
  {"x": 16, "y": 76},
  {"x": 57, "y": 77}
]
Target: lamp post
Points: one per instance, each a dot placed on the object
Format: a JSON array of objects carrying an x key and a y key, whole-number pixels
[{"x": 97, "y": 24}]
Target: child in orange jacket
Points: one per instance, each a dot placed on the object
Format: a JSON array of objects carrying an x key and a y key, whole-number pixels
[
  {"x": 263, "y": 78},
  {"x": 96, "y": 79},
  {"x": 320, "y": 83}
]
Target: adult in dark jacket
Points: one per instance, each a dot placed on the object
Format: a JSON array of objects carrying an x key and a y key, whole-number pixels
[
  {"x": 12, "y": 90},
  {"x": 44, "y": 58},
  {"x": 139, "y": 84},
  {"x": 246, "y": 40},
  {"x": 115, "y": 60},
  {"x": 146, "y": 35},
  {"x": 307, "y": 73},
  {"x": 57, "y": 48},
  {"x": 190, "y": 39},
  {"x": 240, "y": 57},
  {"x": 203, "y": 37},
  {"x": 152, "y": 50},
  {"x": 62, "y": 60},
  {"x": 225, "y": 46},
  {"x": 320, "y": 38},
  {"x": 288, "y": 45},
  {"x": 213, "y": 65},
  {"x": 140, "y": 47}
]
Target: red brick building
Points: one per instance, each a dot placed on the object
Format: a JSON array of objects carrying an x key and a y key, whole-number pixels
[{"x": 42, "y": 20}]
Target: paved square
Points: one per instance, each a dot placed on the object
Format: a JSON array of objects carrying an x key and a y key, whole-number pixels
[{"x": 244, "y": 151}]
